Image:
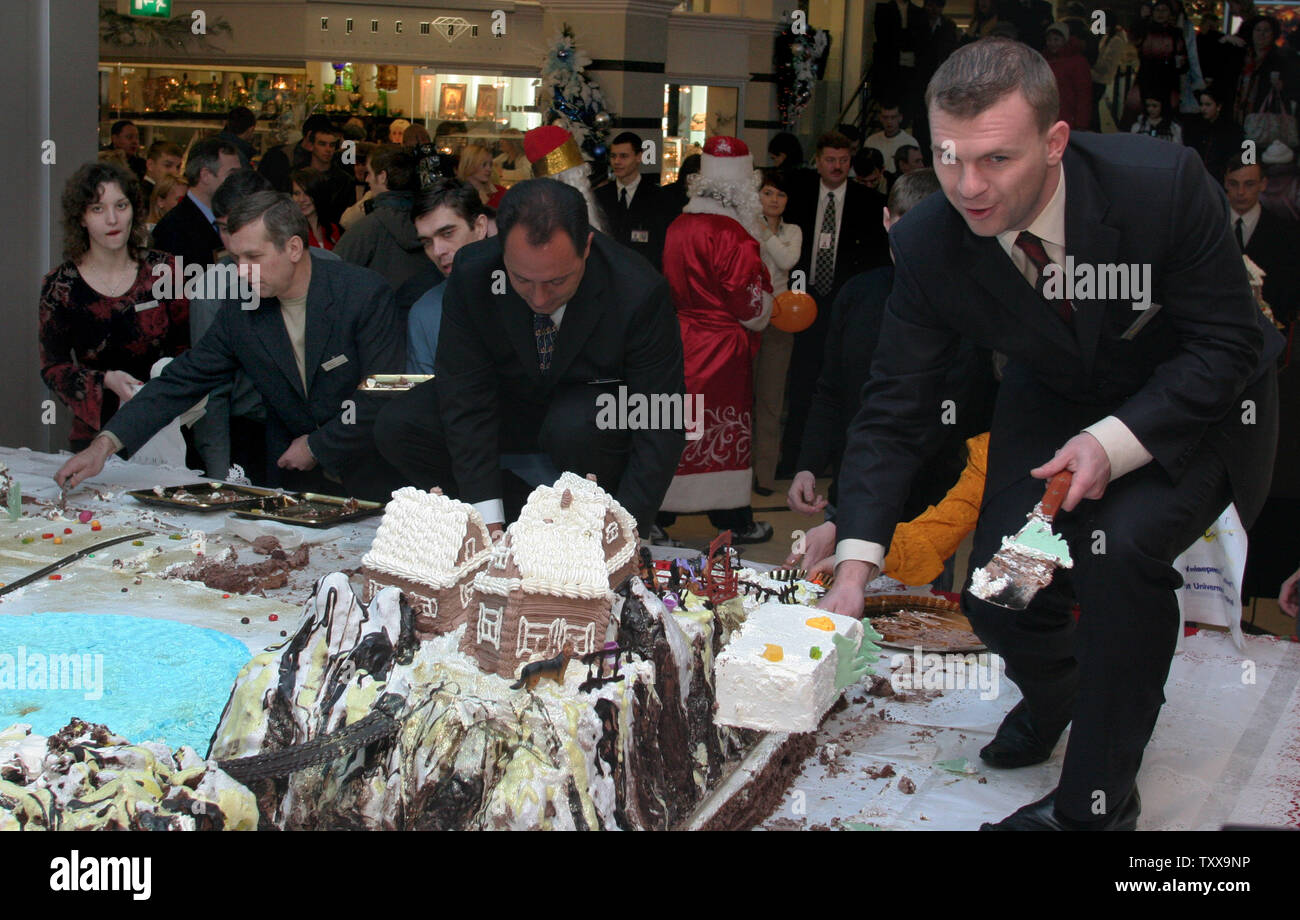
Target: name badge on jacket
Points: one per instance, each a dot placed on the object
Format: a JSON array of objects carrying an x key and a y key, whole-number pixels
[
  {"x": 147, "y": 305},
  {"x": 640, "y": 236},
  {"x": 336, "y": 361}
]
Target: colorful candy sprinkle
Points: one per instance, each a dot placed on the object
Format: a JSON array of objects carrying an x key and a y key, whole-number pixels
[
  {"x": 95, "y": 526},
  {"x": 29, "y": 539},
  {"x": 47, "y": 536},
  {"x": 56, "y": 578},
  {"x": 58, "y": 540},
  {"x": 244, "y": 620},
  {"x": 283, "y": 633},
  {"x": 821, "y": 623},
  {"x": 137, "y": 543},
  {"x": 67, "y": 530},
  {"x": 175, "y": 536},
  {"x": 225, "y": 595},
  {"x": 815, "y": 653},
  {"x": 85, "y": 517},
  {"x": 773, "y": 652},
  {"x": 273, "y": 617}
]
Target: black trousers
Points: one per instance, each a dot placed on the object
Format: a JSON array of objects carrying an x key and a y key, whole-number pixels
[
  {"x": 1105, "y": 673},
  {"x": 411, "y": 437}
]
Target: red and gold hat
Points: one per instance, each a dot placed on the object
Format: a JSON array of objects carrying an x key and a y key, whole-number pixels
[{"x": 551, "y": 150}]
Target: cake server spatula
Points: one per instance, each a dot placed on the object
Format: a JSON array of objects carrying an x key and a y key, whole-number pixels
[{"x": 1026, "y": 562}]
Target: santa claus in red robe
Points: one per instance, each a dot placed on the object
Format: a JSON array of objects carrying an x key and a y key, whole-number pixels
[{"x": 723, "y": 298}]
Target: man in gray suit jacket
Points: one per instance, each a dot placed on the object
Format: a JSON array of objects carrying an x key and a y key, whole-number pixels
[{"x": 317, "y": 329}]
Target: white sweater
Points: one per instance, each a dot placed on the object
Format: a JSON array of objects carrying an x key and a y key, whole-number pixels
[{"x": 780, "y": 252}]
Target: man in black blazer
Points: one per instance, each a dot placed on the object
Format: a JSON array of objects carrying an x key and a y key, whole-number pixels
[
  {"x": 189, "y": 230},
  {"x": 533, "y": 366},
  {"x": 1272, "y": 242},
  {"x": 900, "y": 35},
  {"x": 1164, "y": 411},
  {"x": 842, "y": 236},
  {"x": 315, "y": 330},
  {"x": 635, "y": 207}
]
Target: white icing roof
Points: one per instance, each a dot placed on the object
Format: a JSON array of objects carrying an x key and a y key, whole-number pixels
[
  {"x": 557, "y": 547},
  {"x": 421, "y": 536}
]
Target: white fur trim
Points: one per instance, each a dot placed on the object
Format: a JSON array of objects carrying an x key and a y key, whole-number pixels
[{"x": 728, "y": 169}]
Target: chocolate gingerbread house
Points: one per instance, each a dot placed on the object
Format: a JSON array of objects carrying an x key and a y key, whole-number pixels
[
  {"x": 546, "y": 582},
  {"x": 430, "y": 547}
]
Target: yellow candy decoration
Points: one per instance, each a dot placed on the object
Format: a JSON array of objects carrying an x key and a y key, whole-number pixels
[
  {"x": 773, "y": 652},
  {"x": 821, "y": 623}
]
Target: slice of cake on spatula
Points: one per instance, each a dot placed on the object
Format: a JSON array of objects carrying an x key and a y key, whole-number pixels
[{"x": 1026, "y": 562}]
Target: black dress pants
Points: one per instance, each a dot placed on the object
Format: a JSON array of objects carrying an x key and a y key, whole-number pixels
[
  {"x": 411, "y": 437},
  {"x": 1106, "y": 672}
]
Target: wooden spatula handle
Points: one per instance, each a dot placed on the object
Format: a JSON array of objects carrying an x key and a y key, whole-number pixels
[{"x": 1057, "y": 488}]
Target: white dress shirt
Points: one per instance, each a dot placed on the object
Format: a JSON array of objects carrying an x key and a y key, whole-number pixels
[
  {"x": 1124, "y": 451},
  {"x": 631, "y": 189},
  {"x": 1249, "y": 221}
]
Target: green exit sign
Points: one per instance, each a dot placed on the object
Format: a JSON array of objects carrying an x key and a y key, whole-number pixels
[{"x": 160, "y": 8}]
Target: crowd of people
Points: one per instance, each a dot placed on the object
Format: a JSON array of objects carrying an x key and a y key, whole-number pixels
[{"x": 931, "y": 380}]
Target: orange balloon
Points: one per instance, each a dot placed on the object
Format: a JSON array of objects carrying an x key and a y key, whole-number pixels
[{"x": 793, "y": 311}]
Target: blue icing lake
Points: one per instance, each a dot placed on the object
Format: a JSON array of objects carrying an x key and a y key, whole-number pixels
[{"x": 146, "y": 679}]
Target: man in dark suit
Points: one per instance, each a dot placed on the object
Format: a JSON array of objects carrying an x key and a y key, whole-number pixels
[
  {"x": 1272, "y": 242},
  {"x": 900, "y": 32},
  {"x": 1164, "y": 413},
  {"x": 842, "y": 236},
  {"x": 635, "y": 208},
  {"x": 529, "y": 367},
  {"x": 317, "y": 329},
  {"x": 189, "y": 230}
]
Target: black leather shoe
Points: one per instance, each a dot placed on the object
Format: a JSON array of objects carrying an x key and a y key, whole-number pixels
[
  {"x": 1016, "y": 743},
  {"x": 1043, "y": 816}
]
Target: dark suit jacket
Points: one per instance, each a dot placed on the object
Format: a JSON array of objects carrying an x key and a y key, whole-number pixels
[
  {"x": 619, "y": 325},
  {"x": 350, "y": 313},
  {"x": 892, "y": 36},
  {"x": 184, "y": 231},
  {"x": 1275, "y": 247},
  {"x": 647, "y": 214},
  {"x": 851, "y": 341},
  {"x": 1178, "y": 384},
  {"x": 862, "y": 242}
]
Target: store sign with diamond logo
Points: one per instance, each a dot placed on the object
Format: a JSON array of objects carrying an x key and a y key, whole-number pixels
[
  {"x": 160, "y": 8},
  {"x": 451, "y": 27}
]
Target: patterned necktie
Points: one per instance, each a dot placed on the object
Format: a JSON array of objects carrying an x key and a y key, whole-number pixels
[
  {"x": 826, "y": 255},
  {"x": 622, "y": 199},
  {"x": 1033, "y": 247},
  {"x": 1241, "y": 239},
  {"x": 544, "y": 332}
]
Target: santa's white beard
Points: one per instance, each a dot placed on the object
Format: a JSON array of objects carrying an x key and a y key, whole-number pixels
[{"x": 576, "y": 177}]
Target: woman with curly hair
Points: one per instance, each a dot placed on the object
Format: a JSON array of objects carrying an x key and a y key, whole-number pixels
[
  {"x": 101, "y": 327},
  {"x": 311, "y": 193}
]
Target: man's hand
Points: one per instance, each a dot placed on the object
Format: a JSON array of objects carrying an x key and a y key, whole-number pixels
[
  {"x": 1083, "y": 456},
  {"x": 298, "y": 456},
  {"x": 845, "y": 596},
  {"x": 121, "y": 383},
  {"x": 85, "y": 465},
  {"x": 803, "y": 495},
  {"x": 1288, "y": 598},
  {"x": 818, "y": 550}
]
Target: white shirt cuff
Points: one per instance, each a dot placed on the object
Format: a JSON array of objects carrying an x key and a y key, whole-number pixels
[
  {"x": 1122, "y": 447},
  {"x": 860, "y": 551},
  {"x": 492, "y": 511}
]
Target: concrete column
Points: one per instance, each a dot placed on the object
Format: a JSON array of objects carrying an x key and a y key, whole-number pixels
[{"x": 51, "y": 51}]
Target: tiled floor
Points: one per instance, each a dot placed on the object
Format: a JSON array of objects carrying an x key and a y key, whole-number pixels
[{"x": 695, "y": 531}]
